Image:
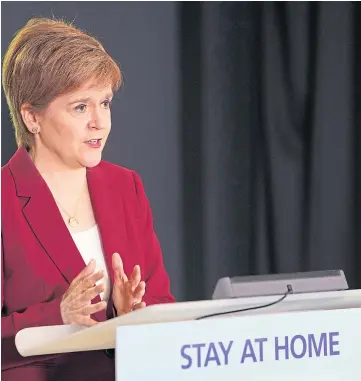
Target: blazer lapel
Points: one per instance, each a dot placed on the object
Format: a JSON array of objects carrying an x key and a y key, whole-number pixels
[
  {"x": 108, "y": 211},
  {"x": 43, "y": 216}
]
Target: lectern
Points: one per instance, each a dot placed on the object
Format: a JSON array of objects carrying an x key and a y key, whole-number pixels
[{"x": 306, "y": 336}]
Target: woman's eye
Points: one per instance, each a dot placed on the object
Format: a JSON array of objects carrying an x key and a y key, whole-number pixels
[
  {"x": 107, "y": 104},
  {"x": 80, "y": 108}
]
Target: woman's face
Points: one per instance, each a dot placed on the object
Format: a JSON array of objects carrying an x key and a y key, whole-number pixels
[{"x": 74, "y": 127}]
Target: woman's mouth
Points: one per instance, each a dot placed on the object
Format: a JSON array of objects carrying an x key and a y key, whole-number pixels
[{"x": 94, "y": 143}]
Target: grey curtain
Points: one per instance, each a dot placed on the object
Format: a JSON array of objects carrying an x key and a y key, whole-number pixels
[
  {"x": 307, "y": 188},
  {"x": 275, "y": 167}
]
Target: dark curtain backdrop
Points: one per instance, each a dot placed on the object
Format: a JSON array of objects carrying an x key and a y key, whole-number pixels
[{"x": 243, "y": 120}]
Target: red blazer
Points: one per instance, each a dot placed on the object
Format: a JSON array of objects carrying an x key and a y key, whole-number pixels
[{"x": 40, "y": 259}]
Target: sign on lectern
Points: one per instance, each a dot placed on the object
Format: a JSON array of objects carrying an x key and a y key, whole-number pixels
[{"x": 296, "y": 346}]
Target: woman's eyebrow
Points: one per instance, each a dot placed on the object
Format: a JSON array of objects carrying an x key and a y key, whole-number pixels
[{"x": 84, "y": 100}]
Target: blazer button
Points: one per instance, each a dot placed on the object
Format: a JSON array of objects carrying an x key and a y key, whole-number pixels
[{"x": 109, "y": 353}]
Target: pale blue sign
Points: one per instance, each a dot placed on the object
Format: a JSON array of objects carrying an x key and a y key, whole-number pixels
[{"x": 297, "y": 346}]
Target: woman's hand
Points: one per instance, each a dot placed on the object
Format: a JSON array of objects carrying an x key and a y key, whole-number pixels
[
  {"x": 127, "y": 293},
  {"x": 76, "y": 306}
]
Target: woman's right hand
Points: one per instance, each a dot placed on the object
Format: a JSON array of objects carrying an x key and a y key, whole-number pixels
[{"x": 76, "y": 306}]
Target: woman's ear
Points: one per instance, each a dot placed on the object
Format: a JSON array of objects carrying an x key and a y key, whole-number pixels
[{"x": 30, "y": 118}]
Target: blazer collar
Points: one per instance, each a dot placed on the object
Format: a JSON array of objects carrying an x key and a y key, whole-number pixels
[{"x": 44, "y": 218}]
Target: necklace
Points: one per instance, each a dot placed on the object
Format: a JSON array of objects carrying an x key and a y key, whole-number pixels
[{"x": 72, "y": 219}]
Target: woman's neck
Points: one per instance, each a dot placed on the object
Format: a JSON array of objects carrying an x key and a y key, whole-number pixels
[
  {"x": 65, "y": 181},
  {"x": 59, "y": 176}
]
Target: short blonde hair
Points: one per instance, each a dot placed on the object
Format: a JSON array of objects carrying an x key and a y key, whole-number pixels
[{"x": 47, "y": 58}]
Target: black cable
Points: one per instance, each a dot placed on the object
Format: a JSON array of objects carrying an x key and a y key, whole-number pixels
[{"x": 289, "y": 291}]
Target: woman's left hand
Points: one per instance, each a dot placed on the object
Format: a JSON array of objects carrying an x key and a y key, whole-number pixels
[{"x": 127, "y": 293}]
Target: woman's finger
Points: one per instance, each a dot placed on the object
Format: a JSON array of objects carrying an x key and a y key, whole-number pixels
[
  {"x": 83, "y": 285},
  {"x": 91, "y": 293},
  {"x": 118, "y": 268},
  {"x": 91, "y": 308},
  {"x": 139, "y": 291},
  {"x": 87, "y": 283},
  {"x": 85, "y": 321},
  {"x": 135, "y": 277},
  {"x": 88, "y": 270},
  {"x": 138, "y": 306}
]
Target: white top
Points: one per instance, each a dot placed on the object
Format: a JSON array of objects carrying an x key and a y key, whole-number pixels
[{"x": 90, "y": 247}]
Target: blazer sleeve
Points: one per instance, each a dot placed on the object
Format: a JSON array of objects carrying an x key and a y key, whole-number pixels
[
  {"x": 40, "y": 314},
  {"x": 154, "y": 274}
]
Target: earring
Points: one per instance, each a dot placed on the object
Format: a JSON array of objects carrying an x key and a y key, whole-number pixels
[{"x": 35, "y": 130}]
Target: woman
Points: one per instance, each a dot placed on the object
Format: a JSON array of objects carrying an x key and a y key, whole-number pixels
[{"x": 78, "y": 245}]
